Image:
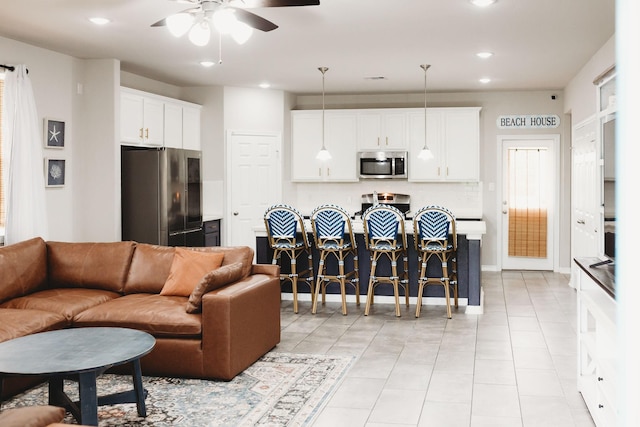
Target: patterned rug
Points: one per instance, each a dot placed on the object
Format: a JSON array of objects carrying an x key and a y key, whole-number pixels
[{"x": 280, "y": 389}]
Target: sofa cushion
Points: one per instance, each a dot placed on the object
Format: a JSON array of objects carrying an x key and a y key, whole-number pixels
[
  {"x": 151, "y": 264},
  {"x": 65, "y": 301},
  {"x": 149, "y": 270},
  {"x": 243, "y": 254},
  {"x": 89, "y": 265},
  {"x": 16, "y": 323},
  {"x": 31, "y": 416},
  {"x": 159, "y": 315},
  {"x": 213, "y": 280},
  {"x": 23, "y": 268},
  {"x": 187, "y": 269}
]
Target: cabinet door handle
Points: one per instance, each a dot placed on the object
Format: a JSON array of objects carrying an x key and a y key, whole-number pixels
[
  {"x": 319, "y": 171},
  {"x": 438, "y": 170},
  {"x": 378, "y": 141},
  {"x": 141, "y": 133},
  {"x": 328, "y": 171},
  {"x": 447, "y": 170},
  {"x": 386, "y": 139},
  {"x": 147, "y": 135}
]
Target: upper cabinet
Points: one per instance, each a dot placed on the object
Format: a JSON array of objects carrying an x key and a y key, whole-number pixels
[
  {"x": 141, "y": 119},
  {"x": 152, "y": 120},
  {"x": 340, "y": 133},
  {"x": 453, "y": 136},
  {"x": 382, "y": 129}
]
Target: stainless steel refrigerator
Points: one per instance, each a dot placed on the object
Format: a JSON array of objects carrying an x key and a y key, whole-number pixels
[{"x": 162, "y": 196}]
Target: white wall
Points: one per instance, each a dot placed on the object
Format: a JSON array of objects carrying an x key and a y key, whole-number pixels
[
  {"x": 467, "y": 200},
  {"x": 53, "y": 77}
]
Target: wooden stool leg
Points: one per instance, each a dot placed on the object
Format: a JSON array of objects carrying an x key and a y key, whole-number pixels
[
  {"x": 321, "y": 268},
  {"x": 447, "y": 291},
  {"x": 356, "y": 276},
  {"x": 396, "y": 281},
  {"x": 343, "y": 280},
  {"x": 374, "y": 263},
  {"x": 421, "y": 278},
  {"x": 294, "y": 281}
]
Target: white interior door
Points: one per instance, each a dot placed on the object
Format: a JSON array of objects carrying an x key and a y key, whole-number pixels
[
  {"x": 529, "y": 201},
  {"x": 253, "y": 183}
]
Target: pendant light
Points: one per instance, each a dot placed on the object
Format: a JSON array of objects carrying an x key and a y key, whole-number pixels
[
  {"x": 425, "y": 153},
  {"x": 323, "y": 154}
]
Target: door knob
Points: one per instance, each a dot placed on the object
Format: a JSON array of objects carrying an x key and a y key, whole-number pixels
[
  {"x": 504, "y": 211},
  {"x": 235, "y": 214}
]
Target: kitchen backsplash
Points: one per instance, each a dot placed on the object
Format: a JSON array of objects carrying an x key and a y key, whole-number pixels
[{"x": 463, "y": 199}]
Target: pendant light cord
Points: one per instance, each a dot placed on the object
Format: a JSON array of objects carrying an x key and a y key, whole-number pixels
[
  {"x": 425, "y": 67},
  {"x": 323, "y": 70}
]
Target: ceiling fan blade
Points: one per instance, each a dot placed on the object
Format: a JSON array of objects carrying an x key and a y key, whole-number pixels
[
  {"x": 275, "y": 3},
  {"x": 253, "y": 20},
  {"x": 163, "y": 22}
]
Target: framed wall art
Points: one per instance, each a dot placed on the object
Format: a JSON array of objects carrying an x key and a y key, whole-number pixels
[
  {"x": 54, "y": 133},
  {"x": 55, "y": 171}
]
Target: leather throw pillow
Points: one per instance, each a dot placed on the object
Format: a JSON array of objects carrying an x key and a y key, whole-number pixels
[
  {"x": 187, "y": 269},
  {"x": 213, "y": 280}
]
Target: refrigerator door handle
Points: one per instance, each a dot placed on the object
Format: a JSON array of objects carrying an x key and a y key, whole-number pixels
[{"x": 192, "y": 230}]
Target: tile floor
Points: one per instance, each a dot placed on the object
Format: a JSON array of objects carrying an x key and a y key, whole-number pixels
[{"x": 514, "y": 365}]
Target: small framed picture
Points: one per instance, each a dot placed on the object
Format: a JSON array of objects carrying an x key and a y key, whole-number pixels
[
  {"x": 54, "y": 133},
  {"x": 55, "y": 170}
]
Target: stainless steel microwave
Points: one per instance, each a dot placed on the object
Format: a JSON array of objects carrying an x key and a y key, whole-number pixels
[{"x": 382, "y": 164}]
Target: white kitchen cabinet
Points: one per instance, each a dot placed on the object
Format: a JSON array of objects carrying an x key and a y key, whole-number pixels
[
  {"x": 172, "y": 125},
  {"x": 382, "y": 129},
  {"x": 340, "y": 139},
  {"x": 597, "y": 368},
  {"x": 152, "y": 120},
  {"x": 191, "y": 128},
  {"x": 141, "y": 119},
  {"x": 453, "y": 136}
]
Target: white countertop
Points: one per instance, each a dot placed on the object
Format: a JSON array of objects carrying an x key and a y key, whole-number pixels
[{"x": 473, "y": 230}]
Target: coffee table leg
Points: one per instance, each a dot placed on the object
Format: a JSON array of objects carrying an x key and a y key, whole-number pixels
[
  {"x": 56, "y": 393},
  {"x": 139, "y": 390},
  {"x": 88, "y": 398}
]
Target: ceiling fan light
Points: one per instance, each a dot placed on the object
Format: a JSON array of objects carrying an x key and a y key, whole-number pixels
[
  {"x": 179, "y": 24},
  {"x": 200, "y": 34},
  {"x": 224, "y": 20},
  {"x": 241, "y": 32}
]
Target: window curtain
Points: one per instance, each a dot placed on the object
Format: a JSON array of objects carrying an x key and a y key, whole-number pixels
[
  {"x": 22, "y": 153},
  {"x": 527, "y": 203}
]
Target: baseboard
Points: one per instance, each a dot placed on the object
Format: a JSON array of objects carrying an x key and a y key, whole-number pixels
[{"x": 378, "y": 299}]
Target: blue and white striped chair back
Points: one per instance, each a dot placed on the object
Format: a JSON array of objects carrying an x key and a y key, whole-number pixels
[
  {"x": 384, "y": 223},
  {"x": 435, "y": 224},
  {"x": 330, "y": 224},
  {"x": 282, "y": 223}
]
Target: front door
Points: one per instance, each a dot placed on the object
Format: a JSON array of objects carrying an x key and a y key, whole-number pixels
[
  {"x": 529, "y": 197},
  {"x": 253, "y": 183}
]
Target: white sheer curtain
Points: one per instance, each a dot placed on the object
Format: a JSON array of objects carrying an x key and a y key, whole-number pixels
[{"x": 26, "y": 215}]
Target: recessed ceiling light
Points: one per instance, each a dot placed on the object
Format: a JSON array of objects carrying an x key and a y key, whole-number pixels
[
  {"x": 483, "y": 3},
  {"x": 484, "y": 80},
  {"x": 207, "y": 63},
  {"x": 484, "y": 55},
  {"x": 265, "y": 85},
  {"x": 100, "y": 21}
]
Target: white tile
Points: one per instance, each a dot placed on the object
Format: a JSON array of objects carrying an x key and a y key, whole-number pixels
[
  {"x": 545, "y": 411},
  {"x": 449, "y": 414},
  {"x": 489, "y": 421},
  {"x": 494, "y": 372},
  {"x": 398, "y": 407},
  {"x": 357, "y": 393},
  {"x": 450, "y": 387},
  {"x": 495, "y": 400},
  {"x": 341, "y": 417},
  {"x": 537, "y": 382}
]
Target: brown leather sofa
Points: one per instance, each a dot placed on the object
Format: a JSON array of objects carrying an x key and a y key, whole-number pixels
[{"x": 52, "y": 285}]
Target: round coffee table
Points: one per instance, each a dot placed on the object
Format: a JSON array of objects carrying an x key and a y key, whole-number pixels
[{"x": 80, "y": 354}]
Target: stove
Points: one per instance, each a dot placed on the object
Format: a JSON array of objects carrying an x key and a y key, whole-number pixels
[{"x": 402, "y": 202}]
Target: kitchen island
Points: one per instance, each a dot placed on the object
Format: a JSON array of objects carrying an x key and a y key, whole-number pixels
[{"x": 469, "y": 232}]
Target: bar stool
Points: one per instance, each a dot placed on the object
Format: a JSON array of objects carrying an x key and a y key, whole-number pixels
[
  {"x": 282, "y": 223},
  {"x": 333, "y": 235},
  {"x": 434, "y": 231},
  {"x": 384, "y": 235}
]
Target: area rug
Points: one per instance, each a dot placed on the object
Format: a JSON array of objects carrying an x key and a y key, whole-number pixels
[{"x": 280, "y": 389}]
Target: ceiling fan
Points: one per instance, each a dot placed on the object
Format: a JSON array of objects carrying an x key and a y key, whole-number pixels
[{"x": 227, "y": 16}]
